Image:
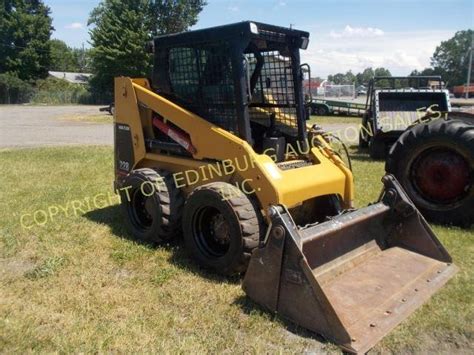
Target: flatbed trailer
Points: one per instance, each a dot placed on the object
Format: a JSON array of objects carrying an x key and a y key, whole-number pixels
[{"x": 323, "y": 107}]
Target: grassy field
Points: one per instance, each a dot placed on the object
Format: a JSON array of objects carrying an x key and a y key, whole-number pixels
[
  {"x": 78, "y": 283},
  {"x": 334, "y": 119}
]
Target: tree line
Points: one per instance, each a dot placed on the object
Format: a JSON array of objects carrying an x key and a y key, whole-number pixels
[{"x": 119, "y": 31}]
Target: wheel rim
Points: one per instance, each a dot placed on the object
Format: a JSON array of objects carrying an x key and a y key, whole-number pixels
[
  {"x": 441, "y": 175},
  {"x": 141, "y": 210},
  {"x": 211, "y": 232}
]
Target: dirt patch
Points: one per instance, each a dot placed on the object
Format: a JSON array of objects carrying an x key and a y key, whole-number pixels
[{"x": 11, "y": 268}]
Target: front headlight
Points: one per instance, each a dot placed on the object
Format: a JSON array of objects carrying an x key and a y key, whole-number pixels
[
  {"x": 253, "y": 28},
  {"x": 304, "y": 42}
]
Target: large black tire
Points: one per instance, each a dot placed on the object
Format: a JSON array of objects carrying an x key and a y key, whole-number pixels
[
  {"x": 377, "y": 148},
  {"x": 152, "y": 205},
  {"x": 434, "y": 162},
  {"x": 221, "y": 227},
  {"x": 322, "y": 110}
]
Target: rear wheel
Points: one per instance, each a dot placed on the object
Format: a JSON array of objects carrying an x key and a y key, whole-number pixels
[
  {"x": 152, "y": 205},
  {"x": 221, "y": 227},
  {"x": 435, "y": 164}
]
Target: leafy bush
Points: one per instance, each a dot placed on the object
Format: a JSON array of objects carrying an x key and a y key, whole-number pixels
[
  {"x": 13, "y": 90},
  {"x": 58, "y": 91},
  {"x": 52, "y": 91}
]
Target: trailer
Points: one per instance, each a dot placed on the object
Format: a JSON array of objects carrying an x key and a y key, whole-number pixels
[
  {"x": 323, "y": 107},
  {"x": 462, "y": 90}
]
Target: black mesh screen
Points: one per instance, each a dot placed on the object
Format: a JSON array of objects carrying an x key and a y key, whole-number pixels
[
  {"x": 412, "y": 101},
  {"x": 274, "y": 90},
  {"x": 272, "y": 36},
  {"x": 201, "y": 78}
]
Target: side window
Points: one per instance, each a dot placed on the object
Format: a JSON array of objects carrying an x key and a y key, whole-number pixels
[
  {"x": 184, "y": 75},
  {"x": 201, "y": 77}
]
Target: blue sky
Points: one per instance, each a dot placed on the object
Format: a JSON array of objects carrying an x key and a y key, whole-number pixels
[{"x": 345, "y": 34}]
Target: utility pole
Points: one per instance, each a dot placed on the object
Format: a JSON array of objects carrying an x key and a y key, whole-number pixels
[
  {"x": 469, "y": 68},
  {"x": 83, "y": 58}
]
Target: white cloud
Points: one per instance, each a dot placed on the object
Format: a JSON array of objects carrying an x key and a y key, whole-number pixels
[
  {"x": 400, "y": 52},
  {"x": 233, "y": 8},
  {"x": 75, "y": 26},
  {"x": 350, "y": 32},
  {"x": 278, "y": 5}
]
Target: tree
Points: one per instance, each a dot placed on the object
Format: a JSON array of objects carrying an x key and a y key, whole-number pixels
[
  {"x": 382, "y": 72},
  {"x": 424, "y": 72},
  {"x": 25, "y": 29},
  {"x": 82, "y": 59},
  {"x": 122, "y": 29},
  {"x": 118, "y": 39},
  {"x": 342, "y": 79},
  {"x": 364, "y": 77},
  {"x": 449, "y": 58},
  {"x": 62, "y": 57},
  {"x": 171, "y": 16}
]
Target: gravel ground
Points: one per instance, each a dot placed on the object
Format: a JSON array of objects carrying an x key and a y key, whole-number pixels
[
  {"x": 39, "y": 126},
  {"x": 34, "y": 126}
]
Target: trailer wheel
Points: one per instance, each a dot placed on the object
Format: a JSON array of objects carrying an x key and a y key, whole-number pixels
[
  {"x": 322, "y": 111},
  {"x": 435, "y": 164},
  {"x": 221, "y": 227},
  {"x": 152, "y": 205}
]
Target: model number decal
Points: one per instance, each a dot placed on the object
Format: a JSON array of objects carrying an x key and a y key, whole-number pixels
[{"x": 124, "y": 165}]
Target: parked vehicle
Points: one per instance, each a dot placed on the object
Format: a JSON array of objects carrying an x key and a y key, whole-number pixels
[
  {"x": 226, "y": 95},
  {"x": 462, "y": 90},
  {"x": 395, "y": 103}
]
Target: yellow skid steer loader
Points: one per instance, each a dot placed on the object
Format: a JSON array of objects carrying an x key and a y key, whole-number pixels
[{"x": 217, "y": 148}]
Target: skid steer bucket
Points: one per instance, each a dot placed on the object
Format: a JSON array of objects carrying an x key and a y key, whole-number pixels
[{"x": 353, "y": 278}]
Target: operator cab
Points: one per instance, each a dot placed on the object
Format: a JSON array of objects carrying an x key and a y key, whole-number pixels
[{"x": 244, "y": 77}]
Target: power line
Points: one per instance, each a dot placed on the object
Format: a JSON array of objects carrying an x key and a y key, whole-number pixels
[{"x": 11, "y": 45}]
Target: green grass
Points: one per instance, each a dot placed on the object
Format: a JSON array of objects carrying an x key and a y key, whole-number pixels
[
  {"x": 79, "y": 283},
  {"x": 334, "y": 119}
]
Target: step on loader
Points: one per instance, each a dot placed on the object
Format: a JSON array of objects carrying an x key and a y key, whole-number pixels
[{"x": 216, "y": 148}]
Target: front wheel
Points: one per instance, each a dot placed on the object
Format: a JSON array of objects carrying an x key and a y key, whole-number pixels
[{"x": 221, "y": 227}]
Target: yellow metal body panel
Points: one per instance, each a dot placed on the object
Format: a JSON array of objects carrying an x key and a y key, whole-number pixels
[{"x": 134, "y": 102}]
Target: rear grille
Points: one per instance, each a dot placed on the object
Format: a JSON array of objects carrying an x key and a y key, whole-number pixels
[{"x": 294, "y": 164}]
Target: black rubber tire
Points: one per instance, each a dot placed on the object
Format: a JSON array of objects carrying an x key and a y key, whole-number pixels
[
  {"x": 452, "y": 136},
  {"x": 363, "y": 141},
  {"x": 377, "y": 148},
  {"x": 322, "y": 111},
  {"x": 241, "y": 216},
  {"x": 165, "y": 205}
]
